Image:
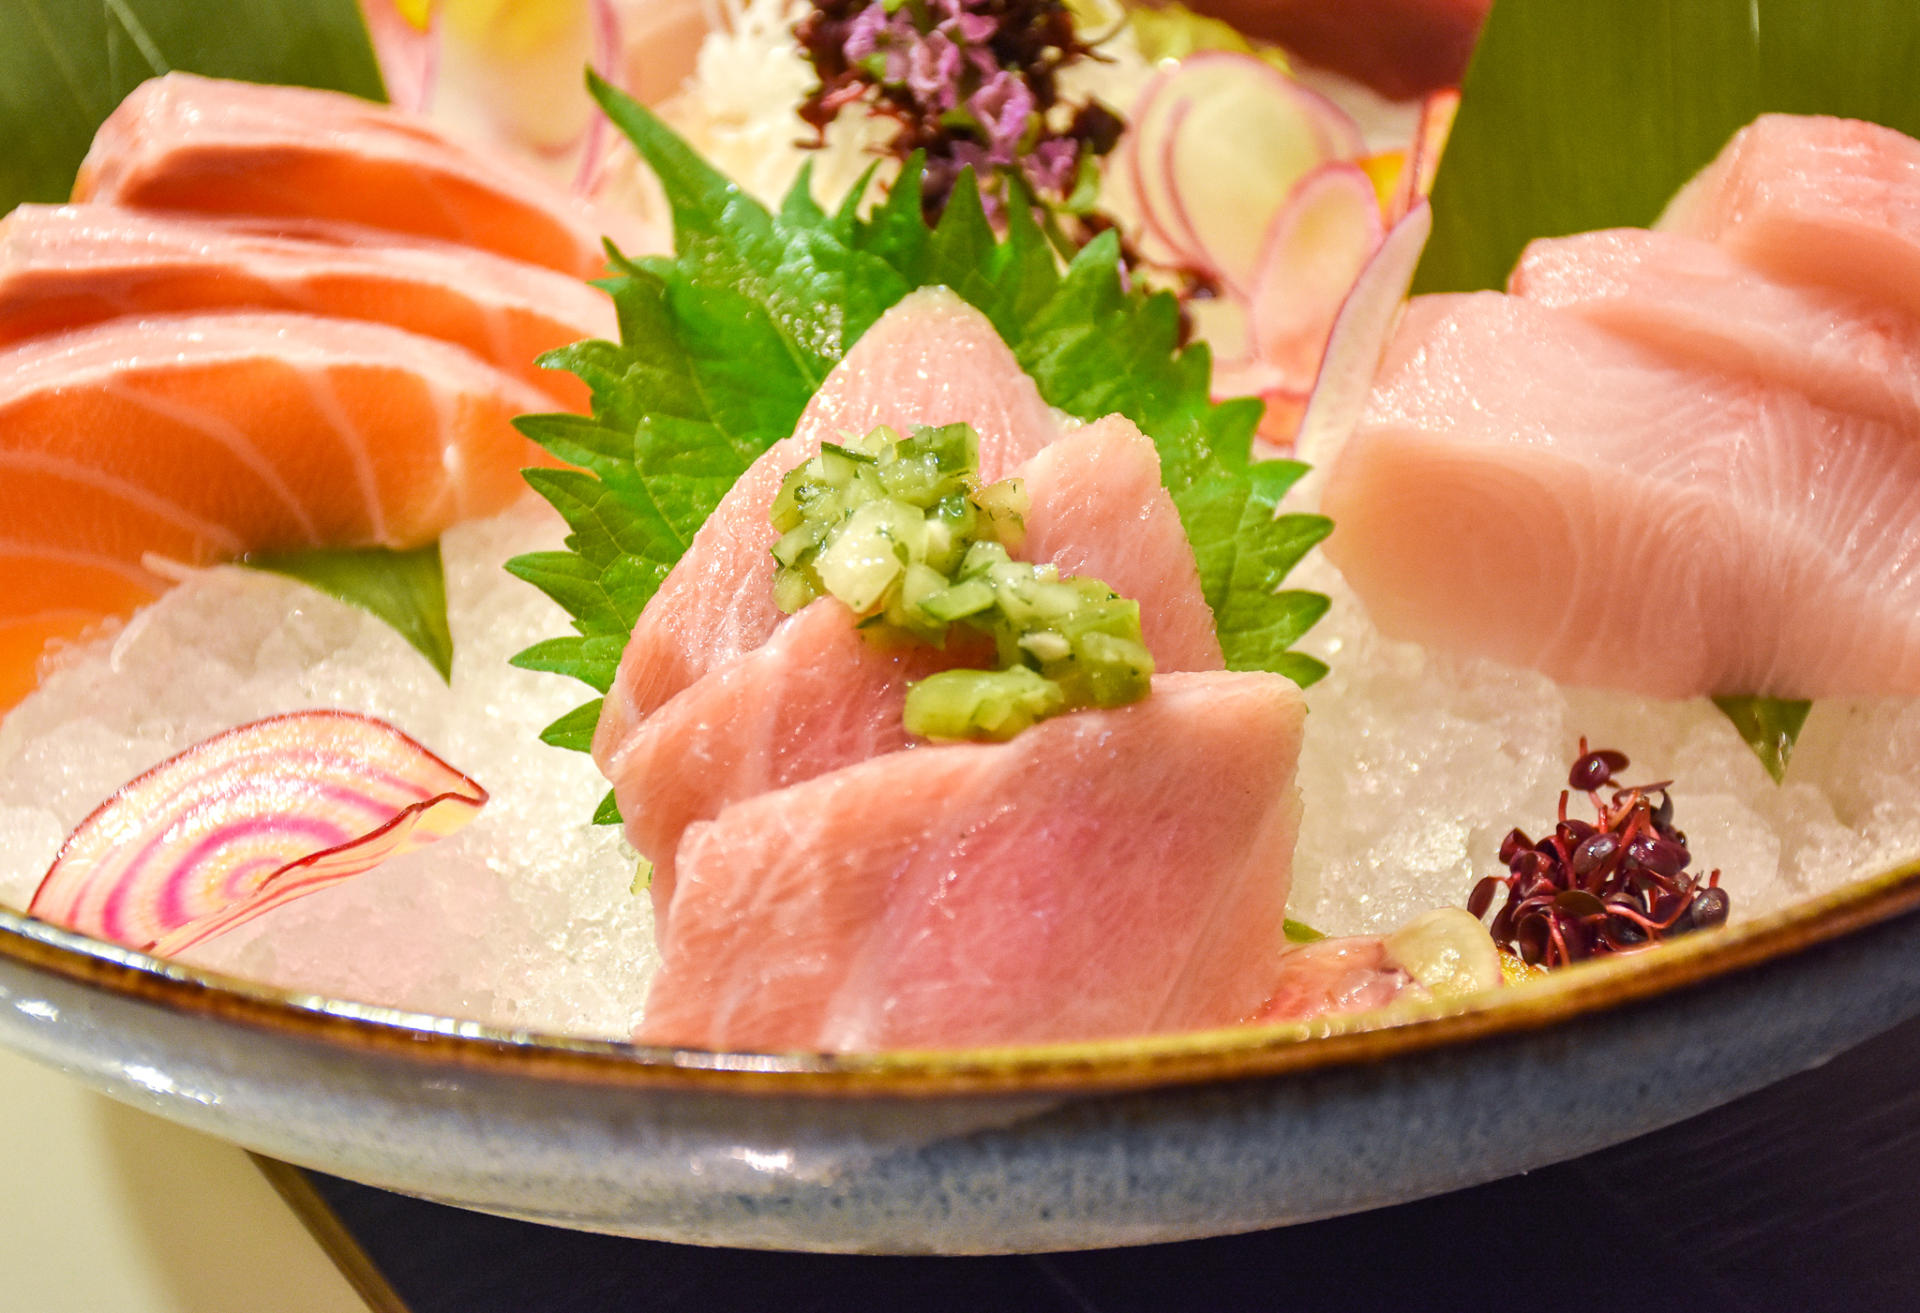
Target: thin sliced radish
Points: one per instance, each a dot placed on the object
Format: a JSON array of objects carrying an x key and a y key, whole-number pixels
[
  {"x": 1423, "y": 154},
  {"x": 1314, "y": 251},
  {"x": 1359, "y": 338},
  {"x": 1139, "y": 159},
  {"x": 248, "y": 820},
  {"x": 1240, "y": 135}
]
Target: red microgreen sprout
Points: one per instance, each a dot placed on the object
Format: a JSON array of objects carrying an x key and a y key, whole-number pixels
[{"x": 1612, "y": 886}]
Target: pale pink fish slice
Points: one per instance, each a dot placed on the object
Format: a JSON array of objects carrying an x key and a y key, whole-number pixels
[
  {"x": 68, "y": 266},
  {"x": 1814, "y": 199},
  {"x": 814, "y": 697},
  {"x": 932, "y": 359},
  {"x": 1097, "y": 507},
  {"x": 1528, "y": 487},
  {"x": 1694, "y": 302},
  {"x": 246, "y": 821},
  {"x": 181, "y": 142},
  {"x": 1105, "y": 873},
  {"x": 817, "y": 696},
  {"x": 1332, "y": 976}
]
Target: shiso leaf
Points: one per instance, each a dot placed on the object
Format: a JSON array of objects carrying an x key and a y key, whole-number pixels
[
  {"x": 1583, "y": 114},
  {"x": 723, "y": 345},
  {"x": 65, "y": 65},
  {"x": 406, "y": 589},
  {"x": 1770, "y": 726}
]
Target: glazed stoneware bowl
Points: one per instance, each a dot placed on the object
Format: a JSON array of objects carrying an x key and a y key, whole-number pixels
[{"x": 977, "y": 1152}]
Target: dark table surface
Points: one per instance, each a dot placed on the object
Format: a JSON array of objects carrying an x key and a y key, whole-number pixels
[{"x": 1805, "y": 1196}]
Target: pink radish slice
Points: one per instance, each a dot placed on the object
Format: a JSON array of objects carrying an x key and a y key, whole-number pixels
[
  {"x": 1139, "y": 158},
  {"x": 1230, "y": 159},
  {"x": 1359, "y": 338},
  {"x": 1423, "y": 154},
  {"x": 248, "y": 820},
  {"x": 1314, "y": 251}
]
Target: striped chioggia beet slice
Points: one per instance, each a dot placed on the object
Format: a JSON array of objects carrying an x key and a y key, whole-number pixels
[{"x": 247, "y": 820}]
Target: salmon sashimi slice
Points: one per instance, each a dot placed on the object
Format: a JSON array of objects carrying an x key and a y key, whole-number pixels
[
  {"x": 1528, "y": 487},
  {"x": 1813, "y": 199},
  {"x": 1104, "y": 873},
  {"x": 181, "y": 142},
  {"x": 817, "y": 695},
  {"x": 932, "y": 359},
  {"x": 200, "y": 437},
  {"x": 1694, "y": 302},
  {"x": 68, "y": 266}
]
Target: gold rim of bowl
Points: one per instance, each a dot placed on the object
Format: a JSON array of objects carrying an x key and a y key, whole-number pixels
[{"x": 1096, "y": 1066}]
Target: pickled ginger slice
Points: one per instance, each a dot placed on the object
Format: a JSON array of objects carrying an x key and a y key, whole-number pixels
[
  {"x": 1814, "y": 199},
  {"x": 68, "y": 266},
  {"x": 817, "y": 695},
  {"x": 1105, "y": 873},
  {"x": 200, "y": 437},
  {"x": 181, "y": 142},
  {"x": 1528, "y": 487},
  {"x": 931, "y": 360},
  {"x": 1694, "y": 302}
]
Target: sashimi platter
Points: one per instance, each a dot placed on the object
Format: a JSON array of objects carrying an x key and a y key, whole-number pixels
[{"x": 955, "y": 625}]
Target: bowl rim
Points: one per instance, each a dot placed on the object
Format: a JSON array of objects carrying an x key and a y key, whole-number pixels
[{"x": 1084, "y": 1067}]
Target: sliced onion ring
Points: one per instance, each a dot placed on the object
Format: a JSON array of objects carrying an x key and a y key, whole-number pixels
[{"x": 245, "y": 821}]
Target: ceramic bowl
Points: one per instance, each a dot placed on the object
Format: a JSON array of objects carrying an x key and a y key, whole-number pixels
[{"x": 974, "y": 1152}]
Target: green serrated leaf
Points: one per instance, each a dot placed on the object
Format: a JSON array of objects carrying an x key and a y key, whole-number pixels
[
  {"x": 608, "y": 813},
  {"x": 408, "y": 589},
  {"x": 723, "y": 345},
  {"x": 1583, "y": 114},
  {"x": 65, "y": 65},
  {"x": 574, "y": 730},
  {"x": 1770, "y": 726}
]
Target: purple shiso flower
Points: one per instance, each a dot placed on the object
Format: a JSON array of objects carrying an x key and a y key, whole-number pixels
[
  {"x": 1003, "y": 107},
  {"x": 863, "y": 34},
  {"x": 933, "y": 72},
  {"x": 1052, "y": 165},
  {"x": 956, "y": 19}
]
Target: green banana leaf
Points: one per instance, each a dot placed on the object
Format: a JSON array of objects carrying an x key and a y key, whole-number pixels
[
  {"x": 1581, "y": 114},
  {"x": 64, "y": 65}
]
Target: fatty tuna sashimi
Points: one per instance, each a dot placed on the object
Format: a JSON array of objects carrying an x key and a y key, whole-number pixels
[
  {"x": 817, "y": 696},
  {"x": 932, "y": 359},
  {"x": 1528, "y": 487},
  {"x": 1098, "y": 508},
  {"x": 1813, "y": 199},
  {"x": 1105, "y": 873},
  {"x": 1694, "y": 302},
  {"x": 814, "y": 697},
  {"x": 68, "y": 266},
  {"x": 181, "y": 142},
  {"x": 200, "y": 437}
]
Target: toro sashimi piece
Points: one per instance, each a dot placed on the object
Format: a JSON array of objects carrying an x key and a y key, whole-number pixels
[
  {"x": 200, "y": 437},
  {"x": 1692, "y": 301},
  {"x": 932, "y": 359},
  {"x": 817, "y": 696},
  {"x": 1104, "y": 873},
  {"x": 64, "y": 267},
  {"x": 1822, "y": 200},
  {"x": 1528, "y": 487},
  {"x": 181, "y": 142}
]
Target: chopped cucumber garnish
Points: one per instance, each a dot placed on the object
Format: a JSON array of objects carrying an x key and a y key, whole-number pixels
[{"x": 899, "y": 530}]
